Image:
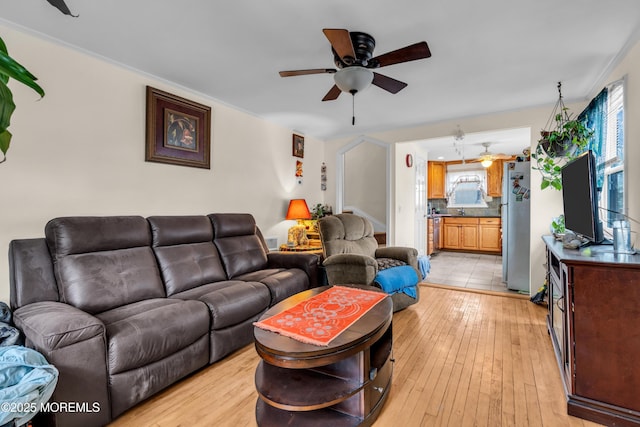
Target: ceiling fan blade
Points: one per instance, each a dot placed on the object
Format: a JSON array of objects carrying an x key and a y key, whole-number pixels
[
  {"x": 333, "y": 93},
  {"x": 340, "y": 41},
  {"x": 409, "y": 53},
  {"x": 387, "y": 83},
  {"x": 306, "y": 72}
]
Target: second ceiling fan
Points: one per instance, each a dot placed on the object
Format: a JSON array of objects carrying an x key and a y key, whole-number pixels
[{"x": 353, "y": 55}]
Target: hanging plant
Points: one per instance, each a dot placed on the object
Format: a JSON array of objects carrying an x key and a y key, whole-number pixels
[
  {"x": 9, "y": 68},
  {"x": 567, "y": 139}
]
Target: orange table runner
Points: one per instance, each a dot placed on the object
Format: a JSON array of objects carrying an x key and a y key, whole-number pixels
[{"x": 321, "y": 318}]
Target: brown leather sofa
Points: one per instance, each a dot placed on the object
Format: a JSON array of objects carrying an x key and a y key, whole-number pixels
[{"x": 125, "y": 306}]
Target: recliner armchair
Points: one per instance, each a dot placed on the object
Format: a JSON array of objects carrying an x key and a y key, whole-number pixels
[{"x": 352, "y": 256}]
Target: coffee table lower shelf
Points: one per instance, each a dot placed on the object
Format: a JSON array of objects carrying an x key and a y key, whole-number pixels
[
  {"x": 270, "y": 416},
  {"x": 343, "y": 384}
]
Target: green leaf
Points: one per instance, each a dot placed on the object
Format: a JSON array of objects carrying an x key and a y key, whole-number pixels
[
  {"x": 6, "y": 106},
  {"x": 3, "y": 49},
  {"x": 11, "y": 68},
  {"x": 545, "y": 184},
  {"x": 62, "y": 7},
  {"x": 556, "y": 184},
  {"x": 5, "y": 141}
]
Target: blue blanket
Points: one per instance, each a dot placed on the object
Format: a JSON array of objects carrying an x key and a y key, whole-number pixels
[
  {"x": 26, "y": 378},
  {"x": 398, "y": 279},
  {"x": 424, "y": 265}
]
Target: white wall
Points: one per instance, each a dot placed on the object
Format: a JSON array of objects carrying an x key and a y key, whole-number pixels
[
  {"x": 365, "y": 180},
  {"x": 80, "y": 151}
]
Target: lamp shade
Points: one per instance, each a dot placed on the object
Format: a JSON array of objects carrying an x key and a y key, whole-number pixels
[
  {"x": 298, "y": 209},
  {"x": 353, "y": 79},
  {"x": 486, "y": 163}
]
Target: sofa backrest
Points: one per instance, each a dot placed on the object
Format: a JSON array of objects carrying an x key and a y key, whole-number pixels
[
  {"x": 103, "y": 262},
  {"x": 239, "y": 243},
  {"x": 185, "y": 252},
  {"x": 347, "y": 234}
]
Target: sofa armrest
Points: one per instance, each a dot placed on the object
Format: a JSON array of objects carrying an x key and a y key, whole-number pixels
[
  {"x": 350, "y": 269},
  {"x": 408, "y": 255},
  {"x": 52, "y": 325},
  {"x": 75, "y": 343},
  {"x": 304, "y": 261}
]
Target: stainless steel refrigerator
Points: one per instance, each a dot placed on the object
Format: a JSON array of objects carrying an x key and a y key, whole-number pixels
[{"x": 516, "y": 200}]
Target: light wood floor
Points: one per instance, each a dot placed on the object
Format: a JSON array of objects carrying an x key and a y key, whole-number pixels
[{"x": 462, "y": 359}]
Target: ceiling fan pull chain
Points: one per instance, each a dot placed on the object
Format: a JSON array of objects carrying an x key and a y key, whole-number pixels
[{"x": 353, "y": 109}]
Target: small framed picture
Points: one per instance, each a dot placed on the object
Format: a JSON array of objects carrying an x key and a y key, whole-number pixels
[
  {"x": 178, "y": 130},
  {"x": 298, "y": 146}
]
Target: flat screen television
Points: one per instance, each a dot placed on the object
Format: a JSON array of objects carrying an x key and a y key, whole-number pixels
[{"x": 580, "y": 198}]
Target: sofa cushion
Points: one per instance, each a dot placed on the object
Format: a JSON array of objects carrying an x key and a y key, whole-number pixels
[
  {"x": 180, "y": 229},
  {"x": 99, "y": 281},
  {"x": 239, "y": 245},
  {"x": 103, "y": 262},
  {"x": 147, "y": 331},
  {"x": 286, "y": 283},
  {"x": 185, "y": 252},
  {"x": 257, "y": 276},
  {"x": 230, "y": 302},
  {"x": 185, "y": 267},
  {"x": 77, "y": 235}
]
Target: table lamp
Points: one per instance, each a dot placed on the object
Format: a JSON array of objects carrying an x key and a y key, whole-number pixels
[{"x": 299, "y": 211}]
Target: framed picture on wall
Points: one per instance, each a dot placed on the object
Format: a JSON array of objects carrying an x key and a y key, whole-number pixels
[
  {"x": 298, "y": 145},
  {"x": 178, "y": 130}
]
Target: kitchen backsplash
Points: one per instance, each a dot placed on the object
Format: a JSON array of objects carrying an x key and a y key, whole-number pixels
[{"x": 493, "y": 208}]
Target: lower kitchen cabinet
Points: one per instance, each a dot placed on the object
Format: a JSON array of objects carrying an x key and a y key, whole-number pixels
[
  {"x": 490, "y": 235},
  {"x": 481, "y": 234}
]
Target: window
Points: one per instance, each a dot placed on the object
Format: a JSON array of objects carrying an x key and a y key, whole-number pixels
[
  {"x": 605, "y": 115},
  {"x": 612, "y": 194},
  {"x": 466, "y": 186}
]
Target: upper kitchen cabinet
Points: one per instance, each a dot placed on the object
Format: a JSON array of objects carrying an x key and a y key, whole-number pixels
[
  {"x": 436, "y": 172},
  {"x": 494, "y": 179}
]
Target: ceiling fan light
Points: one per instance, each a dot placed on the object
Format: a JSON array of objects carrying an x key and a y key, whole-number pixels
[
  {"x": 486, "y": 163},
  {"x": 353, "y": 79}
]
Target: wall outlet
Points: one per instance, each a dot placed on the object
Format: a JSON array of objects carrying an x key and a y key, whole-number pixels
[{"x": 272, "y": 243}]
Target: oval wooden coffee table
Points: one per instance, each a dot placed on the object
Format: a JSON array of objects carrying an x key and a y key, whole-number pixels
[{"x": 343, "y": 384}]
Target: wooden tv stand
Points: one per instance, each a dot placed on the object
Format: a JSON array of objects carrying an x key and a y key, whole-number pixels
[
  {"x": 343, "y": 384},
  {"x": 594, "y": 323}
]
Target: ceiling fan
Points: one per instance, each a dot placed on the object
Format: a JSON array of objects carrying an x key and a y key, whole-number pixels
[
  {"x": 353, "y": 55},
  {"x": 486, "y": 157}
]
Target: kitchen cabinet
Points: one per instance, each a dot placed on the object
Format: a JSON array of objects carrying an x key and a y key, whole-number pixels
[
  {"x": 430, "y": 242},
  {"x": 460, "y": 233},
  {"x": 490, "y": 234},
  {"x": 436, "y": 175},
  {"x": 592, "y": 322},
  {"x": 482, "y": 234},
  {"x": 494, "y": 179}
]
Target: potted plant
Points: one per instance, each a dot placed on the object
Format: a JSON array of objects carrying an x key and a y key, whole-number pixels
[
  {"x": 557, "y": 226},
  {"x": 555, "y": 148},
  {"x": 568, "y": 137},
  {"x": 10, "y": 68}
]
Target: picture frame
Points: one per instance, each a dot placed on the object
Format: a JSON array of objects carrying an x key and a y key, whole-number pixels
[
  {"x": 298, "y": 146},
  {"x": 178, "y": 130}
]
